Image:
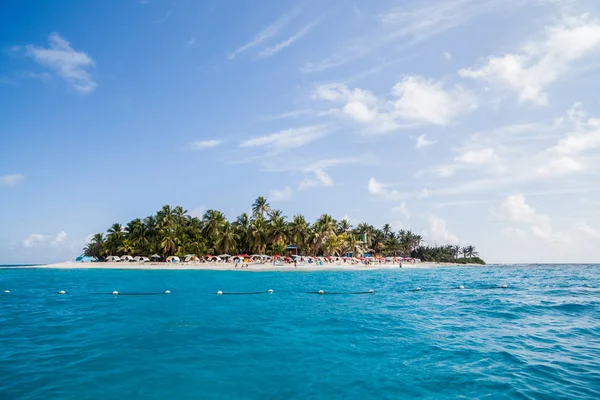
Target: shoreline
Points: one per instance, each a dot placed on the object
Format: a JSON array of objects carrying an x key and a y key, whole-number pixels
[{"x": 149, "y": 266}]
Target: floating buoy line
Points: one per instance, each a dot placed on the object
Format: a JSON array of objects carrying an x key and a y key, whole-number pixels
[{"x": 271, "y": 291}]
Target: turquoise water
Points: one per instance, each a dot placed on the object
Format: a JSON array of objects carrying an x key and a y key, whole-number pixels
[{"x": 538, "y": 339}]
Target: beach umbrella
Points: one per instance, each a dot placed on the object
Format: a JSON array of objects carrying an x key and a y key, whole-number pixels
[
  {"x": 224, "y": 255},
  {"x": 155, "y": 256}
]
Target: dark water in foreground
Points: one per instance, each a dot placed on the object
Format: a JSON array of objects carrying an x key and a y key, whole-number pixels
[{"x": 538, "y": 339}]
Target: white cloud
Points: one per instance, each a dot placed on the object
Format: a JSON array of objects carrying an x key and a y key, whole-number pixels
[
  {"x": 561, "y": 166},
  {"x": 267, "y": 33},
  {"x": 69, "y": 64},
  {"x": 379, "y": 189},
  {"x": 269, "y": 51},
  {"x": 404, "y": 26},
  {"x": 516, "y": 210},
  {"x": 198, "y": 212},
  {"x": 515, "y": 232},
  {"x": 438, "y": 232},
  {"x": 205, "y": 144},
  {"x": 445, "y": 171},
  {"x": 402, "y": 209},
  {"x": 447, "y": 56},
  {"x": 423, "y": 142},
  {"x": 288, "y": 139},
  {"x": 38, "y": 239},
  {"x": 588, "y": 230},
  {"x": 191, "y": 42},
  {"x": 424, "y": 100},
  {"x": 286, "y": 115},
  {"x": 316, "y": 175},
  {"x": 35, "y": 239},
  {"x": 284, "y": 194},
  {"x": 11, "y": 180},
  {"x": 541, "y": 62},
  {"x": 59, "y": 239},
  {"x": 416, "y": 100},
  {"x": 477, "y": 157}
]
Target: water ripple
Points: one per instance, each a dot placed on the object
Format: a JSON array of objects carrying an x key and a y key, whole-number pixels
[{"x": 538, "y": 338}]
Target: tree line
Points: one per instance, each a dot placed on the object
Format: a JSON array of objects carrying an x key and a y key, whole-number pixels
[{"x": 172, "y": 231}]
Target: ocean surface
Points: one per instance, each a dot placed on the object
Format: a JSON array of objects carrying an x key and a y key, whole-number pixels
[{"x": 537, "y": 339}]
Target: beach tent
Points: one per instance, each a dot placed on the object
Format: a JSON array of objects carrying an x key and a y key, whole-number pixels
[
  {"x": 113, "y": 259},
  {"x": 141, "y": 259},
  {"x": 173, "y": 259},
  {"x": 126, "y": 258},
  {"x": 86, "y": 259},
  {"x": 191, "y": 257}
]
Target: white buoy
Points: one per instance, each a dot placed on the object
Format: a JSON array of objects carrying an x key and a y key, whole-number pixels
[
  {"x": 270, "y": 291},
  {"x": 417, "y": 289},
  {"x": 7, "y": 291},
  {"x": 115, "y": 293},
  {"x": 321, "y": 292},
  {"x": 505, "y": 286},
  {"x": 219, "y": 293},
  {"x": 588, "y": 285},
  {"x": 167, "y": 292},
  {"x": 461, "y": 287},
  {"x": 371, "y": 291},
  {"x": 62, "y": 292}
]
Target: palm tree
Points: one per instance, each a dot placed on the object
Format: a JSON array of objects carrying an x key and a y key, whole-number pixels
[
  {"x": 226, "y": 239},
  {"x": 95, "y": 247},
  {"x": 168, "y": 244},
  {"x": 324, "y": 228},
  {"x": 165, "y": 216},
  {"x": 172, "y": 231},
  {"x": 471, "y": 251},
  {"x": 387, "y": 231},
  {"x": 456, "y": 251},
  {"x": 278, "y": 230},
  {"x": 258, "y": 234},
  {"x": 260, "y": 207},
  {"x": 299, "y": 231},
  {"x": 212, "y": 221},
  {"x": 344, "y": 226},
  {"x": 242, "y": 229}
]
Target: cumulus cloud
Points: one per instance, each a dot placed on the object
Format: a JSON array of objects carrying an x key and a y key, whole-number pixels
[
  {"x": 541, "y": 62},
  {"x": 588, "y": 230},
  {"x": 69, "y": 64},
  {"x": 514, "y": 209},
  {"x": 561, "y": 166},
  {"x": 383, "y": 190},
  {"x": 284, "y": 194},
  {"x": 438, "y": 232},
  {"x": 38, "y": 240},
  {"x": 11, "y": 180},
  {"x": 416, "y": 100},
  {"x": 198, "y": 212},
  {"x": 402, "y": 209},
  {"x": 425, "y": 100},
  {"x": 477, "y": 157}
]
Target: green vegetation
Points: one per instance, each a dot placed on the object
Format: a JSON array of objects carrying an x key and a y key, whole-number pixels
[{"x": 266, "y": 231}]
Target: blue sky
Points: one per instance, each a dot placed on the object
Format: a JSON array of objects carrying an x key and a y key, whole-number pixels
[{"x": 469, "y": 121}]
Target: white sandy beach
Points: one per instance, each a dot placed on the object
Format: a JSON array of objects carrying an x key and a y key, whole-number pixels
[{"x": 258, "y": 267}]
